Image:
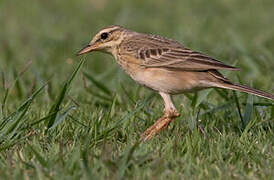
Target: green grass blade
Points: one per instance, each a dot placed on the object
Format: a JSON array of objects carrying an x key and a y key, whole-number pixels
[
  {"x": 223, "y": 93},
  {"x": 76, "y": 121},
  {"x": 202, "y": 96},
  {"x": 261, "y": 104},
  {"x": 38, "y": 121},
  {"x": 4, "y": 101},
  {"x": 218, "y": 108},
  {"x": 18, "y": 85},
  {"x": 10, "y": 130},
  {"x": 38, "y": 156},
  {"x": 19, "y": 113},
  {"x": 107, "y": 132},
  {"x": 238, "y": 107},
  {"x": 32, "y": 97},
  {"x": 272, "y": 113},
  {"x": 87, "y": 169},
  {"x": 55, "y": 107},
  {"x": 106, "y": 98},
  {"x": 124, "y": 162},
  {"x": 61, "y": 117},
  {"x": 194, "y": 100},
  {"x": 98, "y": 84},
  {"x": 113, "y": 105},
  {"x": 131, "y": 100},
  {"x": 248, "y": 110}
]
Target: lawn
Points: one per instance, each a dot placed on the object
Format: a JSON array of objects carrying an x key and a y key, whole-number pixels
[{"x": 69, "y": 117}]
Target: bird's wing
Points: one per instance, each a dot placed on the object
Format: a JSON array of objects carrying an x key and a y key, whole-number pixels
[{"x": 181, "y": 59}]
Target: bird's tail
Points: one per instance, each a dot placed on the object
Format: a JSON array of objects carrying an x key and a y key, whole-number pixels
[{"x": 247, "y": 90}]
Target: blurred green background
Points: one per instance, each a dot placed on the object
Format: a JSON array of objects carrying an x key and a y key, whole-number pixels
[
  {"x": 49, "y": 33},
  {"x": 38, "y": 43}
]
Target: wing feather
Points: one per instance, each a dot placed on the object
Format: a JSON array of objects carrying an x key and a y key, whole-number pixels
[
  {"x": 183, "y": 59},
  {"x": 159, "y": 52}
]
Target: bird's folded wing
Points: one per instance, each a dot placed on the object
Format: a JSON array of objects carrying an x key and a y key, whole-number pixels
[{"x": 181, "y": 59}]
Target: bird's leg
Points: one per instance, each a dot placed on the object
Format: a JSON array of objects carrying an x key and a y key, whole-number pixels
[{"x": 170, "y": 113}]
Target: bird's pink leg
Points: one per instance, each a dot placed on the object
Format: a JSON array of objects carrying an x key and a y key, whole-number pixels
[{"x": 170, "y": 113}]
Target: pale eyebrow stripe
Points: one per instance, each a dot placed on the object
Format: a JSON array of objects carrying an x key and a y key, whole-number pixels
[{"x": 114, "y": 30}]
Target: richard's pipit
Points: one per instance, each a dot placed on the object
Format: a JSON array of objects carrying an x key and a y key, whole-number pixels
[{"x": 165, "y": 66}]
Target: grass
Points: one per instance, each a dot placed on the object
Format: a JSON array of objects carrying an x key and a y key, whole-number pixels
[{"x": 62, "y": 117}]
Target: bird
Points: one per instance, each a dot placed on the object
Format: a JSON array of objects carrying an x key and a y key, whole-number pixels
[{"x": 165, "y": 66}]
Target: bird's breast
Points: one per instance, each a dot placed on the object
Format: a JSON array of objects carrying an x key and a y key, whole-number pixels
[
  {"x": 172, "y": 82},
  {"x": 162, "y": 79},
  {"x": 129, "y": 64}
]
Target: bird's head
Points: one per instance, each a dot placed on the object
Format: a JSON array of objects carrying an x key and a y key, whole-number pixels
[{"x": 105, "y": 40}]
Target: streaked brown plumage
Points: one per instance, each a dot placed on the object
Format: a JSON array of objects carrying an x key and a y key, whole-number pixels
[{"x": 165, "y": 66}]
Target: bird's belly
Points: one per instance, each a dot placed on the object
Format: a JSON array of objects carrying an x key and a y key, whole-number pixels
[{"x": 172, "y": 82}]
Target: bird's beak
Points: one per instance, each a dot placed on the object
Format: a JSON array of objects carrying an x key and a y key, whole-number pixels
[{"x": 88, "y": 48}]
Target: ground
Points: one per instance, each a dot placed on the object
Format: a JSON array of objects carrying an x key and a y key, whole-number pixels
[{"x": 68, "y": 117}]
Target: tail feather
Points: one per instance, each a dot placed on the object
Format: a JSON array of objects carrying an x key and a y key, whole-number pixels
[{"x": 248, "y": 90}]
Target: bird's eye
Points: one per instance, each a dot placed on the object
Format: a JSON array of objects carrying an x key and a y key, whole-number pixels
[{"x": 104, "y": 35}]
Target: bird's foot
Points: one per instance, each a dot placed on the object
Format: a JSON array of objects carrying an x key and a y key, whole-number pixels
[
  {"x": 171, "y": 113},
  {"x": 160, "y": 124}
]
